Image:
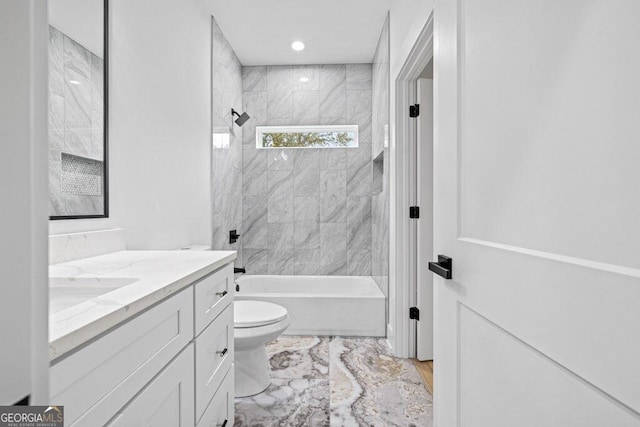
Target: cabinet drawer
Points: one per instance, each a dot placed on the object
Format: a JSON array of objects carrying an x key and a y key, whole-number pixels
[
  {"x": 221, "y": 410},
  {"x": 98, "y": 380},
  {"x": 212, "y": 295},
  {"x": 165, "y": 401},
  {"x": 212, "y": 361}
]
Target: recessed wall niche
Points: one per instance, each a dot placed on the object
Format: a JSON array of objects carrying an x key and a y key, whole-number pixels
[{"x": 80, "y": 176}]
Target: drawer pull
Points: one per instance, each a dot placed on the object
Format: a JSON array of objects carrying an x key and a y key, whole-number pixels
[
  {"x": 224, "y": 424},
  {"x": 223, "y": 352},
  {"x": 219, "y": 295}
]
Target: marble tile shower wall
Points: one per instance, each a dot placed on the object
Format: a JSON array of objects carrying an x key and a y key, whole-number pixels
[
  {"x": 75, "y": 118},
  {"x": 307, "y": 211},
  {"x": 226, "y": 173},
  {"x": 380, "y": 200}
]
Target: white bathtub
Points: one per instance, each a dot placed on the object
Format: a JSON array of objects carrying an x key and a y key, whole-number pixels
[{"x": 321, "y": 305}]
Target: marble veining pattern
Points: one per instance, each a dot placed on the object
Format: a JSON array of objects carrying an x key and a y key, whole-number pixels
[
  {"x": 308, "y": 190},
  {"x": 359, "y": 76},
  {"x": 280, "y": 236},
  {"x": 257, "y": 259},
  {"x": 309, "y": 75},
  {"x": 279, "y": 93},
  {"x": 334, "y": 381},
  {"x": 333, "y": 84},
  {"x": 306, "y": 209},
  {"x": 253, "y": 79},
  {"x": 306, "y": 235},
  {"x": 307, "y": 261},
  {"x": 333, "y": 196},
  {"x": 299, "y": 357},
  {"x": 306, "y": 107},
  {"x": 333, "y": 249},
  {"x": 370, "y": 387},
  {"x": 286, "y": 403},
  {"x": 74, "y": 246},
  {"x": 254, "y": 170},
  {"x": 254, "y": 222}
]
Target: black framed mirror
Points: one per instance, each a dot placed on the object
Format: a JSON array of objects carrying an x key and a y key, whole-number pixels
[{"x": 78, "y": 109}]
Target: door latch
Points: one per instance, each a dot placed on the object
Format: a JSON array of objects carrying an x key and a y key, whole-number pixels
[{"x": 444, "y": 266}]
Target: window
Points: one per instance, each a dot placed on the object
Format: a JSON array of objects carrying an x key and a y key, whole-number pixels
[{"x": 307, "y": 136}]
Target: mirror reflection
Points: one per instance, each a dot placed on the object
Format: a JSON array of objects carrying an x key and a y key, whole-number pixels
[{"x": 77, "y": 113}]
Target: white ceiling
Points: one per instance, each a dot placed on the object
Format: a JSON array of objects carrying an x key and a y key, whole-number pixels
[{"x": 334, "y": 31}]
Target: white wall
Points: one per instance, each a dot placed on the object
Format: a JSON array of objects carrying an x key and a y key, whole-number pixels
[
  {"x": 160, "y": 103},
  {"x": 159, "y": 143},
  {"x": 24, "y": 361},
  {"x": 406, "y": 19}
]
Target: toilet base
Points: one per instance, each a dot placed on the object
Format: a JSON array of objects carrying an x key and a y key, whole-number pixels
[{"x": 252, "y": 372}]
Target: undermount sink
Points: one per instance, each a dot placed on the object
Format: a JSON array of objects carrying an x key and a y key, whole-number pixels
[{"x": 65, "y": 292}]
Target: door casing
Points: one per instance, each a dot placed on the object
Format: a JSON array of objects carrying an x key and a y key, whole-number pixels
[{"x": 402, "y": 281}]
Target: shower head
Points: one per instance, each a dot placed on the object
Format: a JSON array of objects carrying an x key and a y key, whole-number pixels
[{"x": 242, "y": 118}]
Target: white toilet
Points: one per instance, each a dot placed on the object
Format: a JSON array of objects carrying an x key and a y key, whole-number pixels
[{"x": 256, "y": 323}]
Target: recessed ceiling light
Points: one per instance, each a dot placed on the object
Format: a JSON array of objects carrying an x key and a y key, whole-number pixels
[
  {"x": 297, "y": 45},
  {"x": 304, "y": 79}
]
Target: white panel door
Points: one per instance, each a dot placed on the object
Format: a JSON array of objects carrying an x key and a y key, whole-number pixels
[
  {"x": 424, "y": 251},
  {"x": 537, "y": 200},
  {"x": 24, "y": 364}
]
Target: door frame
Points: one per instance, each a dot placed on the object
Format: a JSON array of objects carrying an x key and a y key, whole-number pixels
[
  {"x": 423, "y": 234},
  {"x": 402, "y": 333}
]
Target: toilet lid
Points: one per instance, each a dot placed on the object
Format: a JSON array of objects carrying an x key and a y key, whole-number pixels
[{"x": 249, "y": 314}]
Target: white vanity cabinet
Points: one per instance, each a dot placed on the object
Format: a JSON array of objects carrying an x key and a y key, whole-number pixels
[
  {"x": 171, "y": 365},
  {"x": 214, "y": 352},
  {"x": 220, "y": 412},
  {"x": 214, "y": 358},
  {"x": 166, "y": 400}
]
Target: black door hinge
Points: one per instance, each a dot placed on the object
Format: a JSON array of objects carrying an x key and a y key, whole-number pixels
[
  {"x": 414, "y": 212},
  {"x": 414, "y": 110},
  {"x": 414, "y": 313}
]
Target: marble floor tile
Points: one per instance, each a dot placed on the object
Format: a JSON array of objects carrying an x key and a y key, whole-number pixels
[
  {"x": 299, "y": 357},
  {"x": 369, "y": 387},
  {"x": 335, "y": 381},
  {"x": 286, "y": 403}
]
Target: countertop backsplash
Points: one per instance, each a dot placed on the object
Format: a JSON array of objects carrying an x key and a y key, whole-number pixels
[{"x": 74, "y": 246}]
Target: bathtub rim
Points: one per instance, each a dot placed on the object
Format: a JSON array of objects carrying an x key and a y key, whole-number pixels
[{"x": 318, "y": 293}]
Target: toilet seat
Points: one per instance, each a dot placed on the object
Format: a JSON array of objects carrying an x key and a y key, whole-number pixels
[{"x": 252, "y": 314}]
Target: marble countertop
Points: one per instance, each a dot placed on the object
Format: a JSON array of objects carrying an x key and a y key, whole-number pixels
[{"x": 91, "y": 295}]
